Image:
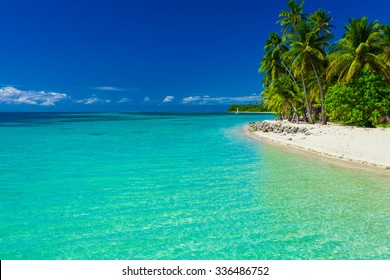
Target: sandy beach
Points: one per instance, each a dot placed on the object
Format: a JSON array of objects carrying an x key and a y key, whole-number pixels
[{"x": 369, "y": 146}]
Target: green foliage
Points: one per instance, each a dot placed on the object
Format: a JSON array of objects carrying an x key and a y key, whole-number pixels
[
  {"x": 290, "y": 19},
  {"x": 301, "y": 70},
  {"x": 384, "y": 125},
  {"x": 283, "y": 96},
  {"x": 253, "y": 107},
  {"x": 293, "y": 55},
  {"x": 272, "y": 64},
  {"x": 364, "y": 44},
  {"x": 362, "y": 101}
]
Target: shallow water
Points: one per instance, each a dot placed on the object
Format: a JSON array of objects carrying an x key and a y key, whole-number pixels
[{"x": 177, "y": 186}]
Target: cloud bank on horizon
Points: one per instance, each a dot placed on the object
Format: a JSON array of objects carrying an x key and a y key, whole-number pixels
[
  {"x": 14, "y": 96},
  {"x": 207, "y": 100}
]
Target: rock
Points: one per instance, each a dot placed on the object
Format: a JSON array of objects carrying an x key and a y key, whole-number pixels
[{"x": 284, "y": 127}]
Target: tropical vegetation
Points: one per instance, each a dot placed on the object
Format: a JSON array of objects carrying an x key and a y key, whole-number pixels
[
  {"x": 308, "y": 78},
  {"x": 252, "y": 107},
  {"x": 363, "y": 101}
]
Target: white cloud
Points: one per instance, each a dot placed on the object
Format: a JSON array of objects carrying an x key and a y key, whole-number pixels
[
  {"x": 12, "y": 95},
  {"x": 206, "y": 99},
  {"x": 191, "y": 99},
  {"x": 168, "y": 99},
  {"x": 146, "y": 99},
  {"x": 124, "y": 100},
  {"x": 109, "y": 88},
  {"x": 117, "y": 89},
  {"x": 91, "y": 100}
]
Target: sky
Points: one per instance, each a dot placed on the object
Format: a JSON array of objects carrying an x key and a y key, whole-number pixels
[{"x": 144, "y": 55}]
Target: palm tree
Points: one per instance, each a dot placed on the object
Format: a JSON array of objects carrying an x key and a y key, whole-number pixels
[
  {"x": 363, "y": 45},
  {"x": 385, "y": 56},
  {"x": 283, "y": 96},
  {"x": 307, "y": 53},
  {"x": 272, "y": 63},
  {"x": 290, "y": 19},
  {"x": 320, "y": 21}
]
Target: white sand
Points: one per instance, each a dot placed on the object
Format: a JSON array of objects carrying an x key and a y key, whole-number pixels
[{"x": 363, "y": 145}]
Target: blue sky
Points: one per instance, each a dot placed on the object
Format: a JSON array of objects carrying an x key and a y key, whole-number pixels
[{"x": 143, "y": 55}]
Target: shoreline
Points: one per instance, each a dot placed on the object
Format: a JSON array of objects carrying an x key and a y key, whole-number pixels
[
  {"x": 362, "y": 147},
  {"x": 247, "y": 112}
]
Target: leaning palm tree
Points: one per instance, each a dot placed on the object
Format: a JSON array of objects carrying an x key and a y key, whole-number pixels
[
  {"x": 313, "y": 93},
  {"x": 308, "y": 54},
  {"x": 272, "y": 64},
  {"x": 283, "y": 97},
  {"x": 290, "y": 19},
  {"x": 289, "y": 91},
  {"x": 362, "y": 46}
]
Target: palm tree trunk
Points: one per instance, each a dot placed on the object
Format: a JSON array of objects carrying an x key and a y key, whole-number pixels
[
  {"x": 306, "y": 99},
  {"x": 295, "y": 113},
  {"x": 305, "y": 115},
  {"x": 289, "y": 72},
  {"x": 295, "y": 82},
  {"x": 323, "y": 114}
]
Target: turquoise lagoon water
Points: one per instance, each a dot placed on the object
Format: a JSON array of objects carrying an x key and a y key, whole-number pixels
[{"x": 177, "y": 186}]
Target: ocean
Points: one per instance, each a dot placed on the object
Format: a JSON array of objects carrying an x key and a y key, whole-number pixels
[{"x": 177, "y": 186}]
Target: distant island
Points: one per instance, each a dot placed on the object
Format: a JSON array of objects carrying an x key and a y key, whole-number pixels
[{"x": 249, "y": 108}]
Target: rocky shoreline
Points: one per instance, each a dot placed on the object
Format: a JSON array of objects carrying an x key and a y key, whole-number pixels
[{"x": 278, "y": 127}]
